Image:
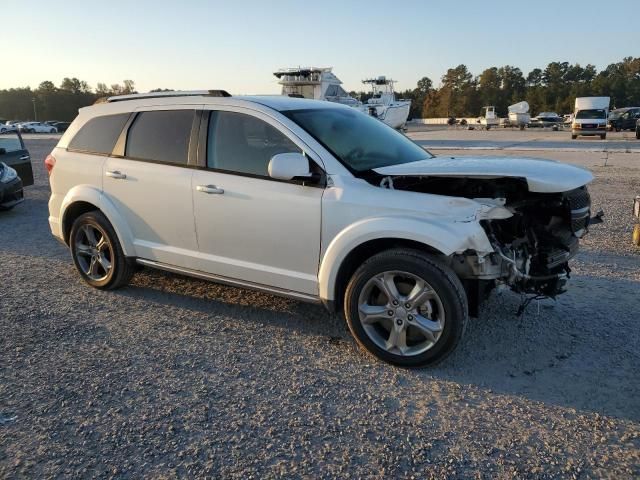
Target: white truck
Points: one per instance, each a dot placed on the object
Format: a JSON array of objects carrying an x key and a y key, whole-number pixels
[{"x": 590, "y": 117}]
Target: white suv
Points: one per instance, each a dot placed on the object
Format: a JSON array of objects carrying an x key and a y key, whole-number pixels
[{"x": 315, "y": 201}]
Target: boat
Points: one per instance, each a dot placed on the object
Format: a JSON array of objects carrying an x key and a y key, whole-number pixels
[
  {"x": 546, "y": 119},
  {"x": 384, "y": 105},
  {"x": 488, "y": 117},
  {"x": 519, "y": 115},
  {"x": 320, "y": 83},
  {"x": 316, "y": 83}
]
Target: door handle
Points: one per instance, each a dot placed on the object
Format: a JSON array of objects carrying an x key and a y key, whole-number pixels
[
  {"x": 209, "y": 189},
  {"x": 25, "y": 157},
  {"x": 115, "y": 174}
]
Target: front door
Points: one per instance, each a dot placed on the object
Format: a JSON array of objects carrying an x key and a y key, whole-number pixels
[{"x": 251, "y": 227}]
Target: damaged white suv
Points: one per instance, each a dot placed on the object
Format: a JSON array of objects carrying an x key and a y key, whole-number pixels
[{"x": 315, "y": 201}]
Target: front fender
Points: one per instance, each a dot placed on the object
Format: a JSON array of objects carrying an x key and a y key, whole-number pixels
[
  {"x": 447, "y": 237},
  {"x": 92, "y": 195}
]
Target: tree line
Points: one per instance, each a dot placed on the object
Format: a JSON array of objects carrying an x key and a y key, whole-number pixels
[
  {"x": 554, "y": 88},
  {"x": 460, "y": 94},
  {"x": 48, "y": 102}
]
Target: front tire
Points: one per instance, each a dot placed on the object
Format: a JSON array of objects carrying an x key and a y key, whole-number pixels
[
  {"x": 603, "y": 136},
  {"x": 97, "y": 253},
  {"x": 406, "y": 308}
]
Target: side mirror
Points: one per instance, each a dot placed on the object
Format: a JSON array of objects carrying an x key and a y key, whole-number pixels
[
  {"x": 287, "y": 166},
  {"x": 3, "y": 151}
]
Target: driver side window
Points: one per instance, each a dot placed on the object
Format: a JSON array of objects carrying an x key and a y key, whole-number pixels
[{"x": 244, "y": 144}]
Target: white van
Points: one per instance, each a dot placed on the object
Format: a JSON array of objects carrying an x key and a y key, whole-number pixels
[{"x": 590, "y": 117}]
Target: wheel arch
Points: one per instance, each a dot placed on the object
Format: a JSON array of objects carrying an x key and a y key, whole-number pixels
[
  {"x": 82, "y": 199},
  {"x": 357, "y": 242},
  {"x": 363, "y": 252}
]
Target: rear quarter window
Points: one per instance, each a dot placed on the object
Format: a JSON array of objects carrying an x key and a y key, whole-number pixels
[{"x": 99, "y": 135}]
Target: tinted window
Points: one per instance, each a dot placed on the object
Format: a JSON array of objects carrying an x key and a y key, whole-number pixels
[
  {"x": 244, "y": 144},
  {"x": 99, "y": 135},
  {"x": 10, "y": 142},
  {"x": 162, "y": 136}
]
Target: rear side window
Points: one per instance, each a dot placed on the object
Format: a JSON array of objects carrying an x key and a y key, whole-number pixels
[
  {"x": 161, "y": 136},
  {"x": 99, "y": 135}
]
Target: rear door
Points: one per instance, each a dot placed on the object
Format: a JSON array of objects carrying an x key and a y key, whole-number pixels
[
  {"x": 14, "y": 154},
  {"x": 149, "y": 180}
]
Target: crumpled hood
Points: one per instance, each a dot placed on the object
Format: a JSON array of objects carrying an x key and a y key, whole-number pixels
[{"x": 544, "y": 176}]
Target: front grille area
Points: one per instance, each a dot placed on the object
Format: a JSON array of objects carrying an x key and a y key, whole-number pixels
[
  {"x": 579, "y": 203},
  {"x": 579, "y": 198},
  {"x": 579, "y": 224}
]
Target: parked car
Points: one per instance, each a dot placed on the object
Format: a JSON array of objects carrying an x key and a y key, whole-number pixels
[
  {"x": 638, "y": 129},
  {"x": 14, "y": 154},
  {"x": 315, "y": 201},
  {"x": 11, "y": 192},
  {"x": 36, "y": 127},
  {"x": 624, "y": 118},
  {"x": 8, "y": 127},
  {"x": 61, "y": 126}
]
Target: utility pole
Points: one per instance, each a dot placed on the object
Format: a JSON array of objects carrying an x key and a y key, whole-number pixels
[{"x": 35, "y": 112}]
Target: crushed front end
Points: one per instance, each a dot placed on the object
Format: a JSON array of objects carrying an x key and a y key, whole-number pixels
[{"x": 534, "y": 246}]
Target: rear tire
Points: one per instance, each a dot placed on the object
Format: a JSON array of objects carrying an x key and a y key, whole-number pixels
[
  {"x": 406, "y": 308},
  {"x": 603, "y": 136},
  {"x": 97, "y": 253},
  {"x": 573, "y": 137}
]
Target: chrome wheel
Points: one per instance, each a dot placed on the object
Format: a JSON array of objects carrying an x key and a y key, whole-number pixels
[
  {"x": 94, "y": 252},
  {"x": 401, "y": 313}
]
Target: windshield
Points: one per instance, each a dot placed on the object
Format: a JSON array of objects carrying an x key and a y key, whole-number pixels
[
  {"x": 359, "y": 141},
  {"x": 592, "y": 114}
]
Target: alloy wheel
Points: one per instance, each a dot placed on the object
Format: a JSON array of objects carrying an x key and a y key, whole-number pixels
[
  {"x": 94, "y": 252},
  {"x": 401, "y": 313}
]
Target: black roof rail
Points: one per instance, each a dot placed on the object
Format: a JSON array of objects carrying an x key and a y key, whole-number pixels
[{"x": 190, "y": 93}]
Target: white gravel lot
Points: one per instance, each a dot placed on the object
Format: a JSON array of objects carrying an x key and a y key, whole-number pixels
[{"x": 176, "y": 377}]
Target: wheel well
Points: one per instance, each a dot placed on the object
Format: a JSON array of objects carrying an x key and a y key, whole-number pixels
[
  {"x": 361, "y": 253},
  {"x": 72, "y": 212}
]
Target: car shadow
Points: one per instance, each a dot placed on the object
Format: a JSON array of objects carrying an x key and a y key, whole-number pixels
[{"x": 555, "y": 353}]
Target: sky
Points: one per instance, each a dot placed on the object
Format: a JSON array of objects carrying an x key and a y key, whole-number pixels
[{"x": 236, "y": 45}]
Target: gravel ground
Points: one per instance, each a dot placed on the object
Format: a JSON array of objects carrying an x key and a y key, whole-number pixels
[{"x": 175, "y": 377}]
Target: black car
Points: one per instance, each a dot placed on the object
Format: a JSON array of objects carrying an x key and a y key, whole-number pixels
[
  {"x": 61, "y": 126},
  {"x": 624, "y": 118},
  {"x": 11, "y": 192},
  {"x": 14, "y": 154}
]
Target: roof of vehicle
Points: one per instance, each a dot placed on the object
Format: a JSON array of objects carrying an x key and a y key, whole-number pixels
[{"x": 129, "y": 103}]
